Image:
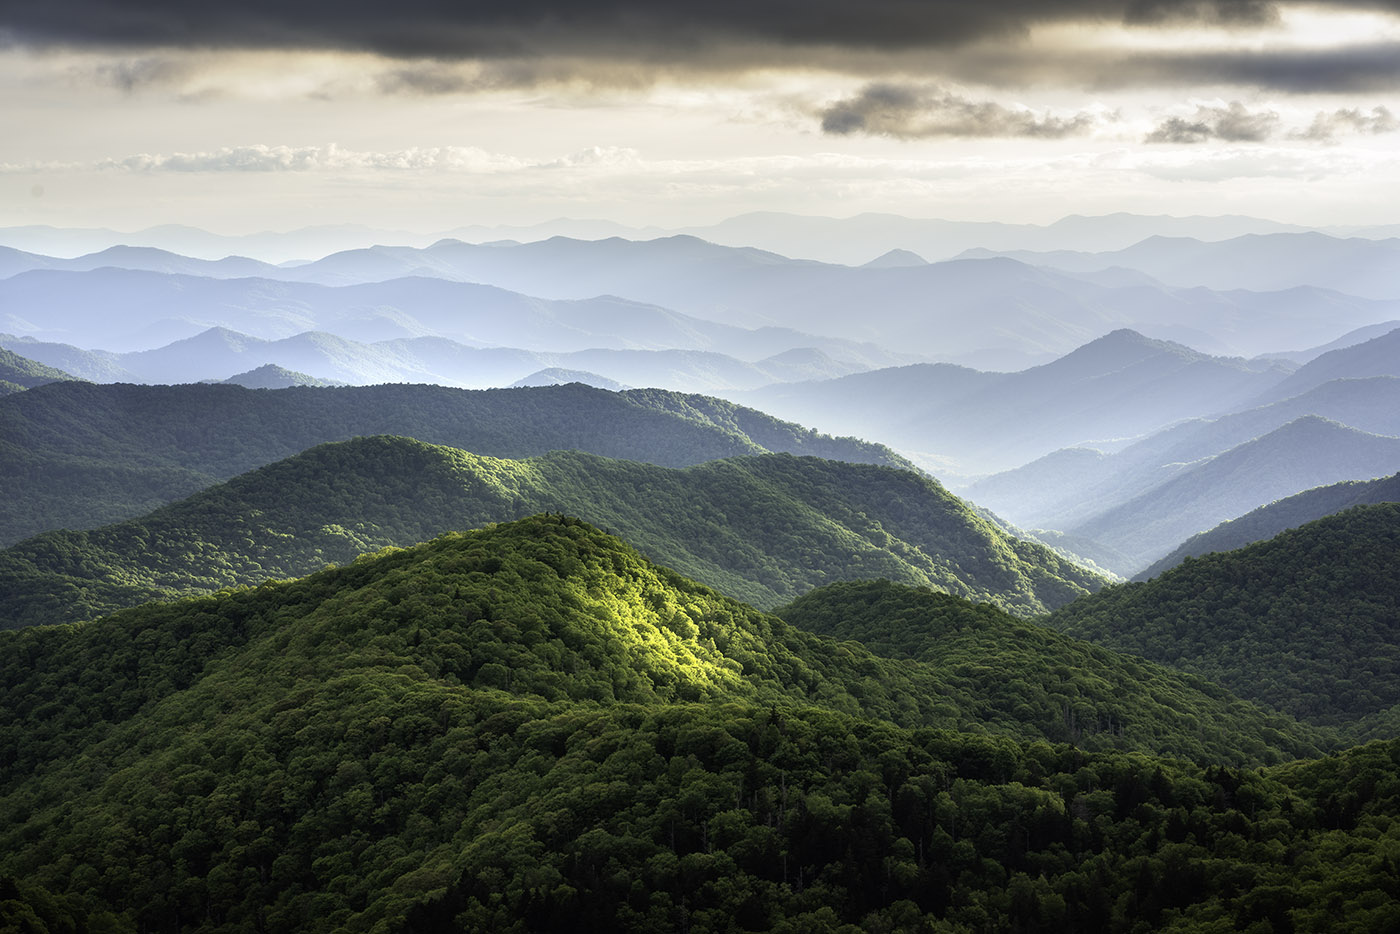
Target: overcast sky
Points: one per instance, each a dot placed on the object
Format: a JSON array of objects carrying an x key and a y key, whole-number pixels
[{"x": 427, "y": 115}]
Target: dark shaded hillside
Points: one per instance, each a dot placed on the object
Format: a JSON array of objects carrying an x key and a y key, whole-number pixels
[
  {"x": 1308, "y": 621},
  {"x": 1027, "y": 667},
  {"x": 1268, "y": 521},
  {"x": 765, "y": 528},
  {"x": 143, "y": 446},
  {"x": 531, "y": 728}
]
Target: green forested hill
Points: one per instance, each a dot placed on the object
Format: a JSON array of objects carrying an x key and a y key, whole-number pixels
[
  {"x": 764, "y": 529},
  {"x": 1308, "y": 621},
  {"x": 982, "y": 649},
  {"x": 80, "y": 455},
  {"x": 531, "y": 728},
  {"x": 19, "y": 373}
]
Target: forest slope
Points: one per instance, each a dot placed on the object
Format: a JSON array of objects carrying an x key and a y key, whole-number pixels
[
  {"x": 144, "y": 446},
  {"x": 763, "y": 528},
  {"x": 530, "y": 727},
  {"x": 1307, "y": 622}
]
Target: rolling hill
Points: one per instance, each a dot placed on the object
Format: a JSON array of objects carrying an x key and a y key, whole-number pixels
[
  {"x": 765, "y": 529},
  {"x": 1305, "y": 622},
  {"x": 144, "y": 446},
  {"x": 527, "y": 721},
  {"x": 19, "y": 373}
]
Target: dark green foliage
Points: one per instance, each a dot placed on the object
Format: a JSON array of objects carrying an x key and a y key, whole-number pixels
[
  {"x": 994, "y": 664},
  {"x": 763, "y": 528},
  {"x": 530, "y": 728},
  {"x": 142, "y": 446},
  {"x": 1308, "y": 622}
]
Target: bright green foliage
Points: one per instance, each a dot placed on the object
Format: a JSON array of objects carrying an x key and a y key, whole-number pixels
[
  {"x": 531, "y": 728},
  {"x": 762, "y": 528},
  {"x": 79, "y": 455},
  {"x": 1308, "y": 622}
]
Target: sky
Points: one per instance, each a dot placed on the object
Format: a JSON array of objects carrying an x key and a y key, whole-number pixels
[{"x": 433, "y": 114}]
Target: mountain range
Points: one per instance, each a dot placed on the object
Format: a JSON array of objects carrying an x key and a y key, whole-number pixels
[
  {"x": 332, "y": 359},
  {"x": 394, "y": 741},
  {"x": 1267, "y": 262},
  {"x": 850, "y": 240},
  {"x": 78, "y": 455},
  {"x": 996, "y": 312},
  {"x": 1117, "y": 387},
  {"x": 1279, "y": 516},
  {"x": 765, "y": 528}
]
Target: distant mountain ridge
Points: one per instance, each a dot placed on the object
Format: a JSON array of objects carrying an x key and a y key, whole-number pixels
[
  {"x": 1257, "y": 261},
  {"x": 1118, "y": 386},
  {"x": 337, "y": 360},
  {"x": 144, "y": 446},
  {"x": 1277, "y": 517},
  {"x": 1307, "y": 452}
]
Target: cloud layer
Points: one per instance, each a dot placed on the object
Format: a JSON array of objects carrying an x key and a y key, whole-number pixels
[{"x": 912, "y": 112}]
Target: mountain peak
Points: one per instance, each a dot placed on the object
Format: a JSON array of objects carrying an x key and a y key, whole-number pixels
[{"x": 895, "y": 259}]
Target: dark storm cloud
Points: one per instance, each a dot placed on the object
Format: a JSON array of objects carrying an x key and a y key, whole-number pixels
[
  {"x": 1232, "y": 124},
  {"x": 1373, "y": 67},
  {"x": 913, "y": 112},
  {"x": 514, "y": 28}
]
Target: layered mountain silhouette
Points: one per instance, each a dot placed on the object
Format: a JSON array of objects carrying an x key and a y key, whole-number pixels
[
  {"x": 1262, "y": 262},
  {"x": 1116, "y": 387},
  {"x": 79, "y": 455},
  {"x": 1288, "y": 513}
]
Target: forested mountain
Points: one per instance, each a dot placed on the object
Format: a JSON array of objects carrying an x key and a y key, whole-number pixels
[
  {"x": 531, "y": 728},
  {"x": 272, "y": 376},
  {"x": 18, "y": 373},
  {"x": 1308, "y": 621},
  {"x": 765, "y": 529},
  {"x": 1121, "y": 385},
  {"x": 77, "y": 455},
  {"x": 1291, "y": 512}
]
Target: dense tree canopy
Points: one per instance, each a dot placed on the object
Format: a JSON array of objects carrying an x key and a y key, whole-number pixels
[
  {"x": 1308, "y": 621},
  {"x": 79, "y": 455},
  {"x": 761, "y": 528},
  {"x": 531, "y": 727}
]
